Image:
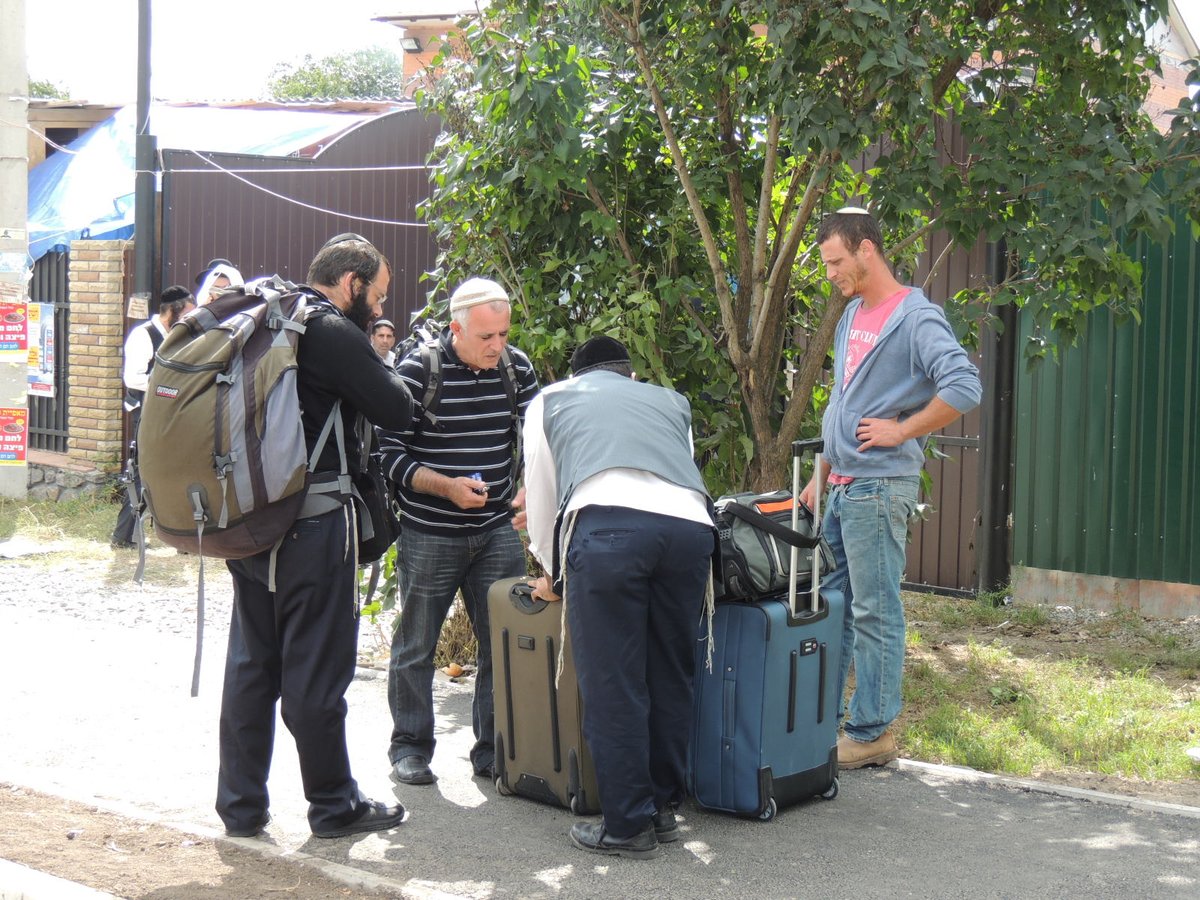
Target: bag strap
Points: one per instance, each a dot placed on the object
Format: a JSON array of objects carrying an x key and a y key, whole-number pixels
[
  {"x": 431, "y": 362},
  {"x": 508, "y": 377},
  {"x": 770, "y": 526}
]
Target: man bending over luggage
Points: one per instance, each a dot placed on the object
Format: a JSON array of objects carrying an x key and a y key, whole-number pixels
[
  {"x": 294, "y": 633},
  {"x": 899, "y": 374},
  {"x": 620, "y": 519}
]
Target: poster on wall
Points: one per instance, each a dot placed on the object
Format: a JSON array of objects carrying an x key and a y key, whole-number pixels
[
  {"x": 14, "y": 333},
  {"x": 14, "y": 422},
  {"x": 41, "y": 349}
]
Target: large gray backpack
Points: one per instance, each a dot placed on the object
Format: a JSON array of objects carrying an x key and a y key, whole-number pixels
[{"x": 221, "y": 454}]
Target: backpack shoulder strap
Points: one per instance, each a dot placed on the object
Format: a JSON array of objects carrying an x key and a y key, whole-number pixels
[
  {"x": 508, "y": 377},
  {"x": 431, "y": 362},
  {"x": 156, "y": 337}
]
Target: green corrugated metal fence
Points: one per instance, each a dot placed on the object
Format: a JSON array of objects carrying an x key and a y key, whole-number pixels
[{"x": 1106, "y": 474}]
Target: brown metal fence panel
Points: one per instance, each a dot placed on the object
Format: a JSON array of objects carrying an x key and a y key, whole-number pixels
[
  {"x": 943, "y": 549},
  {"x": 270, "y": 215}
]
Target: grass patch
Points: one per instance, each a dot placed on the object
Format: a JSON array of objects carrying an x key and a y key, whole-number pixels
[
  {"x": 83, "y": 526},
  {"x": 1113, "y": 697},
  {"x": 81, "y": 519}
]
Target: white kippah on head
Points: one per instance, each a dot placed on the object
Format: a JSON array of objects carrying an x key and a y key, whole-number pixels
[
  {"x": 852, "y": 211},
  {"x": 476, "y": 291}
]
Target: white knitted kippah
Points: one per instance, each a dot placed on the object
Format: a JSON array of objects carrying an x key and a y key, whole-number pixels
[{"x": 475, "y": 291}]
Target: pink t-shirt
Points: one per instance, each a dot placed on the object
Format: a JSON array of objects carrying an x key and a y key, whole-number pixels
[{"x": 868, "y": 324}]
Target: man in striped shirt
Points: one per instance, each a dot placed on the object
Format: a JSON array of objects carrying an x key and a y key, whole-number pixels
[{"x": 455, "y": 474}]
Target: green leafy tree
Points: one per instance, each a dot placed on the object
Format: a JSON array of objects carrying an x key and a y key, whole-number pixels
[
  {"x": 656, "y": 169},
  {"x": 372, "y": 73},
  {"x": 47, "y": 90}
]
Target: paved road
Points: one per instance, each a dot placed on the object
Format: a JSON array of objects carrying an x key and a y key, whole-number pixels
[{"x": 96, "y": 709}]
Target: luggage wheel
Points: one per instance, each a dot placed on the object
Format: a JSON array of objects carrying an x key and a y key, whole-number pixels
[
  {"x": 769, "y": 813},
  {"x": 576, "y": 806},
  {"x": 831, "y": 791},
  {"x": 501, "y": 788}
]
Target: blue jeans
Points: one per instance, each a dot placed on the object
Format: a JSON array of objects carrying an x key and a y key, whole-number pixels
[
  {"x": 866, "y": 525},
  {"x": 431, "y": 569}
]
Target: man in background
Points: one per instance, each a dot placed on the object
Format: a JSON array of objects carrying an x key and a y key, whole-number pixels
[
  {"x": 383, "y": 339},
  {"x": 141, "y": 345},
  {"x": 217, "y": 276}
]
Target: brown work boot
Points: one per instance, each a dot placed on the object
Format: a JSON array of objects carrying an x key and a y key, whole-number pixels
[{"x": 854, "y": 754}]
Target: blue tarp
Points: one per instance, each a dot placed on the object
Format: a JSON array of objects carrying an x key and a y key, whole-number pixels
[{"x": 88, "y": 191}]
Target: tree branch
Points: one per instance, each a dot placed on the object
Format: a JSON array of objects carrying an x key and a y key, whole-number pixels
[
  {"x": 720, "y": 279},
  {"x": 810, "y": 368},
  {"x": 763, "y": 225},
  {"x": 775, "y": 291},
  {"x": 731, "y": 161},
  {"x": 942, "y": 257},
  {"x": 619, "y": 237}
]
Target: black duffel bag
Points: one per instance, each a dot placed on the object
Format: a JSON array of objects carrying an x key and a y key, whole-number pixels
[{"x": 756, "y": 537}]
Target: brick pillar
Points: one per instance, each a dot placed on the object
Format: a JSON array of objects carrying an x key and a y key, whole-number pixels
[{"x": 96, "y": 340}]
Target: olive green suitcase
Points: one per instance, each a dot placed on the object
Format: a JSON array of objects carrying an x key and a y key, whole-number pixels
[{"x": 540, "y": 751}]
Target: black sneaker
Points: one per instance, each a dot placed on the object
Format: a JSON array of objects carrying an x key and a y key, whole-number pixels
[
  {"x": 374, "y": 817},
  {"x": 666, "y": 829},
  {"x": 592, "y": 837}
]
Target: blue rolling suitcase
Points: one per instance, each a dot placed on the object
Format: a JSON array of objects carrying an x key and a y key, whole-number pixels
[{"x": 764, "y": 731}]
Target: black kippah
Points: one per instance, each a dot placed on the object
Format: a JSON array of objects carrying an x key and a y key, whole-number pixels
[{"x": 596, "y": 352}]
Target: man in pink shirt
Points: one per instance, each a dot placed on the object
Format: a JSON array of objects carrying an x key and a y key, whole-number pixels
[{"x": 899, "y": 374}]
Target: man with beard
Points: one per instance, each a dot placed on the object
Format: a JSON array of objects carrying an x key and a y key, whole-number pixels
[
  {"x": 294, "y": 631},
  {"x": 899, "y": 375},
  {"x": 454, "y": 468}
]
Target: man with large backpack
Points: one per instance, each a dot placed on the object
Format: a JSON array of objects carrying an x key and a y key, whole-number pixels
[
  {"x": 454, "y": 464},
  {"x": 293, "y": 635},
  {"x": 141, "y": 345}
]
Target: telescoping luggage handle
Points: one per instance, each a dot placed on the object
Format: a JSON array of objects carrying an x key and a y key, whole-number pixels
[{"x": 799, "y": 448}]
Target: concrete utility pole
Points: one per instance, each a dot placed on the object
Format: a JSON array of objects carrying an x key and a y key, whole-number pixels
[
  {"x": 145, "y": 224},
  {"x": 14, "y": 244}
]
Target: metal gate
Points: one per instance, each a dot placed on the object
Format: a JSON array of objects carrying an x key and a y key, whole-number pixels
[{"x": 48, "y": 415}]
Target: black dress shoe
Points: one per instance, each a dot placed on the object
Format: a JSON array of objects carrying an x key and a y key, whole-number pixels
[
  {"x": 251, "y": 830},
  {"x": 488, "y": 772},
  {"x": 374, "y": 817},
  {"x": 592, "y": 837},
  {"x": 412, "y": 770},
  {"x": 666, "y": 829},
  {"x": 118, "y": 544}
]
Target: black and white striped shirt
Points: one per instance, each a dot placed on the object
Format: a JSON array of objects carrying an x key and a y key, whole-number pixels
[{"x": 474, "y": 433}]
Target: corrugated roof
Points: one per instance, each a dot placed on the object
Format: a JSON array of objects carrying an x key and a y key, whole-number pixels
[{"x": 89, "y": 188}]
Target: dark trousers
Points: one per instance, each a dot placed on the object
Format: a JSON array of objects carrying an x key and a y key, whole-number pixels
[
  {"x": 127, "y": 522},
  {"x": 296, "y": 645},
  {"x": 634, "y": 592}
]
